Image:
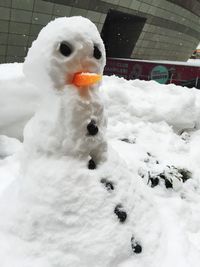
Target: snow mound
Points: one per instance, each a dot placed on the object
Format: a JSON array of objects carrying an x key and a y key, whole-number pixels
[
  {"x": 125, "y": 102},
  {"x": 165, "y": 221},
  {"x": 18, "y": 100},
  {"x": 131, "y": 101}
]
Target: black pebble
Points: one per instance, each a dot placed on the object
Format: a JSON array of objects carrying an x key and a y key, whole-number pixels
[
  {"x": 92, "y": 128},
  {"x": 162, "y": 176},
  {"x": 125, "y": 140},
  {"x": 129, "y": 141},
  {"x": 65, "y": 49},
  {"x": 121, "y": 214},
  {"x": 168, "y": 184},
  {"x": 97, "y": 53},
  {"x": 137, "y": 248},
  {"x": 108, "y": 184},
  {"x": 91, "y": 164},
  {"x": 154, "y": 181},
  {"x": 185, "y": 174}
]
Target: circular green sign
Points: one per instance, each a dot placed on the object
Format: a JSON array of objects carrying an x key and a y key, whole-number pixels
[{"x": 160, "y": 74}]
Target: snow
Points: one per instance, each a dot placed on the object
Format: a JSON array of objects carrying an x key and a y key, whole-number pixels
[
  {"x": 55, "y": 212},
  {"x": 18, "y": 100},
  {"x": 11, "y": 71},
  {"x": 194, "y": 62}
]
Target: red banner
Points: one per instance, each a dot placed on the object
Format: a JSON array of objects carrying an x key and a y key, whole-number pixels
[{"x": 163, "y": 72}]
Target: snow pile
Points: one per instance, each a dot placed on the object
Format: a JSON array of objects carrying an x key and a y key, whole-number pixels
[
  {"x": 138, "y": 100},
  {"x": 165, "y": 220},
  {"x": 194, "y": 62},
  {"x": 82, "y": 197},
  {"x": 10, "y": 71},
  {"x": 18, "y": 100}
]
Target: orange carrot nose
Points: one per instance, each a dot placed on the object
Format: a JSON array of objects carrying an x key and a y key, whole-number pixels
[{"x": 83, "y": 79}]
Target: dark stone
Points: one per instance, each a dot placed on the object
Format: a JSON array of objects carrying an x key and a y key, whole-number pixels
[
  {"x": 142, "y": 175},
  {"x": 125, "y": 140},
  {"x": 137, "y": 248},
  {"x": 162, "y": 175},
  {"x": 97, "y": 53},
  {"x": 168, "y": 184},
  {"x": 185, "y": 174},
  {"x": 92, "y": 128},
  {"x": 108, "y": 184},
  {"x": 91, "y": 164},
  {"x": 154, "y": 181},
  {"x": 65, "y": 49},
  {"x": 129, "y": 141},
  {"x": 121, "y": 214}
]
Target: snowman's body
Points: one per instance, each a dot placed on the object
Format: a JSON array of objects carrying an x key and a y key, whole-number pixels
[
  {"x": 60, "y": 210},
  {"x": 69, "y": 220},
  {"x": 61, "y": 125}
]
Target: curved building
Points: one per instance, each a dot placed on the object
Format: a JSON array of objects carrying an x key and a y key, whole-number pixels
[{"x": 141, "y": 29}]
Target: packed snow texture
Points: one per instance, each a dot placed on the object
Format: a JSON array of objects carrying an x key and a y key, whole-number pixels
[
  {"x": 57, "y": 212},
  {"x": 18, "y": 100},
  {"x": 169, "y": 228}
]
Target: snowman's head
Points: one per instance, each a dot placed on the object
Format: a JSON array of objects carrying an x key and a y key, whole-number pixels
[{"x": 65, "y": 47}]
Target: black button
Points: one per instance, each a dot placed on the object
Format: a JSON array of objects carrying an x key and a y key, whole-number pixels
[
  {"x": 121, "y": 214},
  {"x": 168, "y": 184},
  {"x": 137, "y": 248},
  {"x": 91, "y": 164},
  {"x": 154, "y": 181},
  {"x": 108, "y": 184},
  {"x": 92, "y": 128}
]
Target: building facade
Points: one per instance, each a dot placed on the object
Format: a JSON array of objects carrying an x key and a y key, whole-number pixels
[{"x": 141, "y": 29}]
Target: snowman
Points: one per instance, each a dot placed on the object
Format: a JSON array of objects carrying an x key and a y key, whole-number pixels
[{"x": 73, "y": 204}]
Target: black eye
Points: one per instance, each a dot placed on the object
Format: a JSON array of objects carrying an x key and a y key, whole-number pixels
[
  {"x": 97, "y": 53},
  {"x": 65, "y": 49}
]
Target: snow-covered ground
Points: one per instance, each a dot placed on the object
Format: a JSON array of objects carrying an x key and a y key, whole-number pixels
[{"x": 155, "y": 130}]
